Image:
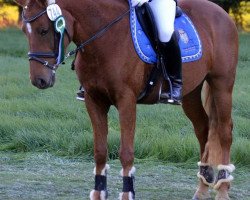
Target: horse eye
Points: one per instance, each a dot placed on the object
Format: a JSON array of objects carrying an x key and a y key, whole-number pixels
[{"x": 44, "y": 32}]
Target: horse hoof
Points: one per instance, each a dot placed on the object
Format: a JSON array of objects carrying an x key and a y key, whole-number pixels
[
  {"x": 98, "y": 195},
  {"x": 202, "y": 196},
  {"x": 197, "y": 198},
  {"x": 222, "y": 197},
  {"x": 126, "y": 196}
]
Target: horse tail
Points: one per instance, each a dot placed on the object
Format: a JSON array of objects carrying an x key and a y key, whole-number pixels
[{"x": 213, "y": 151}]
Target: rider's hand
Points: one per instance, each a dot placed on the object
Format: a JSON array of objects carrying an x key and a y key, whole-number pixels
[{"x": 138, "y": 2}]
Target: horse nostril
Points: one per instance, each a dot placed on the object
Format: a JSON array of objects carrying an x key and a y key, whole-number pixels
[{"x": 41, "y": 83}]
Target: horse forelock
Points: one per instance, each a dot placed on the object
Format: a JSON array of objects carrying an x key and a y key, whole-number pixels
[
  {"x": 31, "y": 4},
  {"x": 32, "y": 7}
]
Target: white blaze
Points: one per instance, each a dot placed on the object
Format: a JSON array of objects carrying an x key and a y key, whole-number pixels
[{"x": 29, "y": 28}]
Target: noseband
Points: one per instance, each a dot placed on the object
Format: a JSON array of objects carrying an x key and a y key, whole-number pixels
[{"x": 59, "y": 26}]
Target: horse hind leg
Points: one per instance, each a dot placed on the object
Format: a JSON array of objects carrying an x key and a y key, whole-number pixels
[
  {"x": 220, "y": 134},
  {"x": 98, "y": 114},
  {"x": 193, "y": 108}
]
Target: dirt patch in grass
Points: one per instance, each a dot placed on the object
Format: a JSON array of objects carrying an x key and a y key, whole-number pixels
[{"x": 43, "y": 176}]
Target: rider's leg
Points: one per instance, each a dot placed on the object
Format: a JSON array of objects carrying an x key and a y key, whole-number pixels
[
  {"x": 164, "y": 13},
  {"x": 173, "y": 62}
]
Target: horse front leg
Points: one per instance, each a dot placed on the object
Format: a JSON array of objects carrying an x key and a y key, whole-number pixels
[
  {"x": 98, "y": 111},
  {"x": 127, "y": 116}
]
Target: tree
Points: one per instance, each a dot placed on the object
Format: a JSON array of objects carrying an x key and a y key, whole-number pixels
[
  {"x": 11, "y": 2},
  {"x": 237, "y": 8},
  {"x": 228, "y": 4}
]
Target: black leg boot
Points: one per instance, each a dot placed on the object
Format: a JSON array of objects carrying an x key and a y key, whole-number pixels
[{"x": 173, "y": 63}]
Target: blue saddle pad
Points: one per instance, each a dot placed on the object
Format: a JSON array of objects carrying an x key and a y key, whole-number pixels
[{"x": 189, "y": 42}]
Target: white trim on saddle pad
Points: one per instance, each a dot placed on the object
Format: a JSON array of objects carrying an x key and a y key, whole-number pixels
[{"x": 191, "y": 51}]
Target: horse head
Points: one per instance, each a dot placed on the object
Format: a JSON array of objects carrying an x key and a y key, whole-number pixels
[{"x": 44, "y": 24}]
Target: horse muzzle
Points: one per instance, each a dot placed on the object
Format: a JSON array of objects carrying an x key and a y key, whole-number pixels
[{"x": 43, "y": 83}]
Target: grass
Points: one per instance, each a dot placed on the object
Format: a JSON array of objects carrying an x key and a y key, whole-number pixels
[
  {"x": 44, "y": 176},
  {"x": 38, "y": 127},
  {"x": 53, "y": 121}
]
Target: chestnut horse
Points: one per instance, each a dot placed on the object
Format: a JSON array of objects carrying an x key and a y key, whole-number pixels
[{"x": 112, "y": 74}]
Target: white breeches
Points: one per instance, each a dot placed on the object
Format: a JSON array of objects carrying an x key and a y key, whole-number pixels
[{"x": 164, "y": 13}]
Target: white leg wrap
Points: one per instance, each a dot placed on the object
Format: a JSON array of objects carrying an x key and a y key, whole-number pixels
[
  {"x": 199, "y": 175},
  {"x": 130, "y": 196},
  {"x": 202, "y": 164},
  {"x": 104, "y": 171},
  {"x": 219, "y": 182},
  {"x": 131, "y": 172},
  {"x": 102, "y": 195},
  {"x": 229, "y": 168},
  {"x": 204, "y": 180}
]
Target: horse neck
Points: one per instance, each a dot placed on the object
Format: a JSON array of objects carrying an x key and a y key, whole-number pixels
[{"x": 90, "y": 16}]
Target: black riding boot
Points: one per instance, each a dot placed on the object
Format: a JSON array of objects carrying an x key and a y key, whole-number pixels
[
  {"x": 80, "y": 94},
  {"x": 173, "y": 63}
]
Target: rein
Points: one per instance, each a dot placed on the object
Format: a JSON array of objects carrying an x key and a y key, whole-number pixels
[
  {"x": 37, "y": 56},
  {"x": 97, "y": 34}
]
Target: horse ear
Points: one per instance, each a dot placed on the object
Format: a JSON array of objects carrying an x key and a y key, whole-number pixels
[{"x": 21, "y": 2}]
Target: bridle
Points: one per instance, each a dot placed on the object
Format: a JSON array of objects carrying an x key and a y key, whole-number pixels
[
  {"x": 59, "y": 29},
  {"x": 38, "y": 56}
]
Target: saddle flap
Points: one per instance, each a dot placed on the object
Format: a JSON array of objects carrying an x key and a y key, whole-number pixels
[{"x": 146, "y": 19}]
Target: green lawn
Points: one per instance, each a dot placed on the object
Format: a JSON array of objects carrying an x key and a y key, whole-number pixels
[
  {"x": 40, "y": 176},
  {"x": 52, "y": 120},
  {"x": 38, "y": 127}
]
